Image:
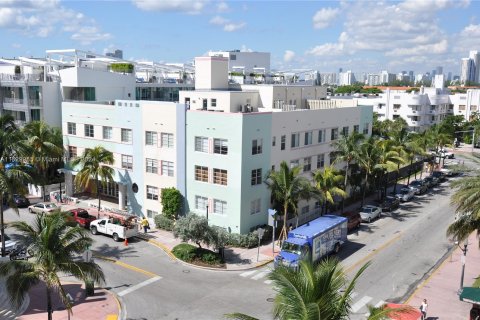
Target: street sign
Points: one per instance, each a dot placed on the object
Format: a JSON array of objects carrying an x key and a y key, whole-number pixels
[
  {"x": 87, "y": 255},
  {"x": 272, "y": 217},
  {"x": 260, "y": 232}
]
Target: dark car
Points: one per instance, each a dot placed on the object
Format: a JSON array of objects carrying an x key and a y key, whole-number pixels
[
  {"x": 439, "y": 175},
  {"x": 20, "y": 201},
  {"x": 390, "y": 203},
  {"x": 354, "y": 220},
  {"x": 420, "y": 186},
  {"x": 80, "y": 217},
  {"x": 430, "y": 181}
]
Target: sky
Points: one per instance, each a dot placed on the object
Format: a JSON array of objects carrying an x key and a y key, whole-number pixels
[{"x": 362, "y": 36}]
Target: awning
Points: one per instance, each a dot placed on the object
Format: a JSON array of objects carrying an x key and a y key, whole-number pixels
[
  {"x": 413, "y": 314},
  {"x": 470, "y": 294}
]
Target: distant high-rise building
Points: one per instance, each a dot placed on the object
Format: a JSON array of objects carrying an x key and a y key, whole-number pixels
[
  {"x": 116, "y": 54},
  {"x": 340, "y": 70},
  {"x": 386, "y": 77},
  {"x": 475, "y": 57},
  {"x": 346, "y": 78},
  {"x": 328, "y": 78},
  {"x": 439, "y": 70},
  {"x": 433, "y": 74},
  {"x": 470, "y": 68},
  {"x": 449, "y": 76},
  {"x": 411, "y": 75}
]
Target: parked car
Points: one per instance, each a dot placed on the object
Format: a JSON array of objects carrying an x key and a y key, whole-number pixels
[
  {"x": 80, "y": 217},
  {"x": 420, "y": 186},
  {"x": 43, "y": 207},
  {"x": 390, "y": 203},
  {"x": 414, "y": 189},
  {"x": 354, "y": 220},
  {"x": 405, "y": 194},
  {"x": 20, "y": 201},
  {"x": 446, "y": 154},
  {"x": 10, "y": 245},
  {"x": 430, "y": 181},
  {"x": 370, "y": 212},
  {"x": 441, "y": 176}
]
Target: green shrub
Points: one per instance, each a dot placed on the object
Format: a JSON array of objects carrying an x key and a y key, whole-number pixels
[
  {"x": 185, "y": 252},
  {"x": 122, "y": 67},
  {"x": 162, "y": 222},
  {"x": 208, "y": 256},
  {"x": 171, "y": 202}
]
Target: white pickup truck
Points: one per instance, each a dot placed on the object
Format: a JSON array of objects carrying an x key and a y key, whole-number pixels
[{"x": 116, "y": 230}]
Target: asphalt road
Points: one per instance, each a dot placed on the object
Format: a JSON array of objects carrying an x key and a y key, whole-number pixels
[{"x": 403, "y": 247}]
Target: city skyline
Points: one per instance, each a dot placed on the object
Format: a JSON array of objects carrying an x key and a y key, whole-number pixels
[{"x": 325, "y": 36}]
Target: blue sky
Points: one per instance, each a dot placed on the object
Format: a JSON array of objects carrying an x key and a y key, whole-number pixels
[{"x": 361, "y": 36}]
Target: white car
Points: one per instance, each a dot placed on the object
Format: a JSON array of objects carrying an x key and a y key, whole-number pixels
[
  {"x": 446, "y": 154},
  {"x": 405, "y": 194},
  {"x": 43, "y": 207},
  {"x": 369, "y": 212}
]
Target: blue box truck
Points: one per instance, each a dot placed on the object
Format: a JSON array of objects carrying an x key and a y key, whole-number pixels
[{"x": 313, "y": 240}]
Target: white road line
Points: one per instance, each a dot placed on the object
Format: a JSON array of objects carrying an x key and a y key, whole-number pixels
[
  {"x": 260, "y": 275},
  {"x": 268, "y": 281},
  {"x": 353, "y": 295},
  {"x": 361, "y": 303},
  {"x": 246, "y": 274},
  {"x": 379, "y": 304},
  {"x": 138, "y": 286}
]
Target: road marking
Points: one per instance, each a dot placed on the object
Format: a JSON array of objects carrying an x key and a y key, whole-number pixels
[
  {"x": 379, "y": 304},
  {"x": 353, "y": 295},
  {"x": 260, "y": 275},
  {"x": 374, "y": 252},
  {"x": 127, "y": 266},
  {"x": 112, "y": 317},
  {"x": 361, "y": 303},
  {"x": 268, "y": 281},
  {"x": 246, "y": 274},
  {"x": 138, "y": 286}
]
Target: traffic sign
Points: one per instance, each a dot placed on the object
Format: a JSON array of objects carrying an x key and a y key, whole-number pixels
[{"x": 87, "y": 255}]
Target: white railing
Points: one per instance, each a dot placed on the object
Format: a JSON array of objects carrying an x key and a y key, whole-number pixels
[{"x": 13, "y": 100}]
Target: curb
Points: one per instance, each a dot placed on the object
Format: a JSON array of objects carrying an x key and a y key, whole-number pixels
[
  {"x": 121, "y": 313},
  {"x": 161, "y": 246}
]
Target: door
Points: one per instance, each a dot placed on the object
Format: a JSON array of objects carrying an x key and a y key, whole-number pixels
[
  {"x": 205, "y": 103},
  {"x": 101, "y": 227}
]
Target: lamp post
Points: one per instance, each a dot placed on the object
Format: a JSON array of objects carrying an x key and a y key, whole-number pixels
[
  {"x": 464, "y": 250},
  {"x": 60, "y": 172},
  {"x": 207, "y": 214}
]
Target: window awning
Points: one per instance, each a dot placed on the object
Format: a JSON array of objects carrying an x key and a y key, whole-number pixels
[{"x": 470, "y": 294}]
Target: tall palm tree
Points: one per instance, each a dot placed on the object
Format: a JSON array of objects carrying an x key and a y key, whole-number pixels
[
  {"x": 423, "y": 140},
  {"x": 44, "y": 147},
  {"x": 439, "y": 137},
  {"x": 401, "y": 140},
  {"x": 367, "y": 160},
  {"x": 328, "y": 182},
  {"x": 54, "y": 246},
  {"x": 388, "y": 158},
  {"x": 95, "y": 170},
  {"x": 347, "y": 149},
  {"x": 288, "y": 187}
]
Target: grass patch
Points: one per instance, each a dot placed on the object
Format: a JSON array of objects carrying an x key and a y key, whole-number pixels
[{"x": 199, "y": 256}]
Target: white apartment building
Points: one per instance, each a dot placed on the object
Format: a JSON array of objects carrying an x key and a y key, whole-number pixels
[
  {"x": 245, "y": 61},
  {"x": 466, "y": 104},
  {"x": 346, "y": 78},
  {"x": 470, "y": 68},
  {"x": 328, "y": 78}
]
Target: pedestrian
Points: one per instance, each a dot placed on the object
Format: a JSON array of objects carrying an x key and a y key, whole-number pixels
[
  {"x": 424, "y": 308},
  {"x": 145, "y": 224}
]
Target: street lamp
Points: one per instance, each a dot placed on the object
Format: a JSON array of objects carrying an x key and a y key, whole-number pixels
[
  {"x": 207, "y": 214},
  {"x": 60, "y": 172},
  {"x": 464, "y": 250}
]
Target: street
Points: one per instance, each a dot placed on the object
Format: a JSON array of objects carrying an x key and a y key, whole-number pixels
[{"x": 403, "y": 246}]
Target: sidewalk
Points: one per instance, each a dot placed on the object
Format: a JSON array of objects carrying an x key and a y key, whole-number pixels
[
  {"x": 441, "y": 287},
  {"x": 102, "y": 306}
]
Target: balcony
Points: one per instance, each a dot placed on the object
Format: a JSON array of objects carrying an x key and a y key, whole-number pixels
[
  {"x": 13, "y": 100},
  {"x": 34, "y": 103}
]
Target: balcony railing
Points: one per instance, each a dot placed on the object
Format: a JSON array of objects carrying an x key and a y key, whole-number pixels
[
  {"x": 34, "y": 102},
  {"x": 13, "y": 100}
]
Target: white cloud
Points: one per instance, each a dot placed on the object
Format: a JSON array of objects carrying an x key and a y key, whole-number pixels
[
  {"x": 288, "y": 56},
  {"x": 244, "y": 48},
  {"x": 16, "y": 45},
  {"x": 222, "y": 7},
  {"x": 217, "y": 20},
  {"x": 42, "y": 18},
  {"x": 324, "y": 17},
  {"x": 327, "y": 49},
  {"x": 185, "y": 6},
  {"x": 467, "y": 39},
  {"x": 87, "y": 35},
  {"x": 230, "y": 27},
  {"x": 434, "y": 48}
]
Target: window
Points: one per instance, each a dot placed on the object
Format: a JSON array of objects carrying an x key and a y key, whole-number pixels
[
  {"x": 308, "y": 138},
  {"x": 220, "y": 176},
  {"x": 333, "y": 157},
  {"x": 72, "y": 152},
  {"x": 274, "y": 140},
  {"x": 152, "y": 193},
  {"x": 219, "y": 206},
  {"x": 127, "y": 162},
  {"x": 201, "y": 144},
  {"x": 307, "y": 164},
  {"x": 334, "y": 134},
  {"x": 365, "y": 128},
  {"x": 72, "y": 128},
  {"x": 256, "y": 177},
  {"x": 255, "y": 206},
  {"x": 294, "y": 163},
  {"x": 167, "y": 168},
  {"x": 89, "y": 132},
  {"x": 321, "y": 136},
  {"x": 126, "y": 135},
  {"x": 151, "y": 214},
  {"x": 356, "y": 128},
  {"x": 320, "y": 161},
  {"x": 317, "y": 205},
  {"x": 345, "y": 131},
  {"x": 283, "y": 142},
  {"x": 220, "y": 146},
  {"x": 295, "y": 140},
  {"x": 396, "y": 106},
  {"x": 201, "y": 173},
  {"x": 152, "y": 165},
  {"x": 201, "y": 203},
  {"x": 257, "y": 146},
  {"x": 107, "y": 133},
  {"x": 167, "y": 140},
  {"x": 151, "y": 138},
  {"x": 213, "y": 103},
  {"x": 305, "y": 209}
]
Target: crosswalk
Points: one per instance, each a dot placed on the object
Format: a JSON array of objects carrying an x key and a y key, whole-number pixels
[{"x": 359, "y": 302}]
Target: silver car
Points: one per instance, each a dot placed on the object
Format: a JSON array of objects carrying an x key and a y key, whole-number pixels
[
  {"x": 405, "y": 194},
  {"x": 369, "y": 213},
  {"x": 43, "y": 208}
]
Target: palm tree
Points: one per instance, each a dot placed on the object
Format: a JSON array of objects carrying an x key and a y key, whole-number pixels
[
  {"x": 288, "y": 187},
  {"x": 388, "y": 158},
  {"x": 367, "y": 160},
  {"x": 327, "y": 182},
  {"x": 467, "y": 201},
  {"x": 423, "y": 141},
  {"x": 401, "y": 141},
  {"x": 439, "y": 137},
  {"x": 95, "y": 170},
  {"x": 347, "y": 150},
  {"x": 383, "y": 312},
  {"x": 54, "y": 246},
  {"x": 44, "y": 148}
]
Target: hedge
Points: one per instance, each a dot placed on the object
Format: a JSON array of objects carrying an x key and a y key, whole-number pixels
[
  {"x": 162, "y": 222},
  {"x": 190, "y": 253},
  {"x": 122, "y": 67}
]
